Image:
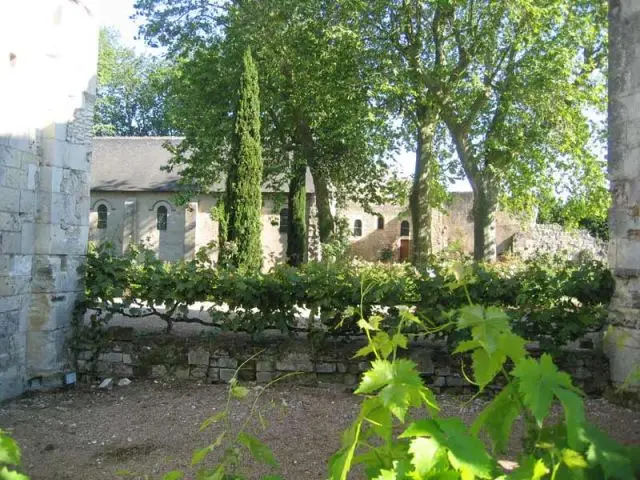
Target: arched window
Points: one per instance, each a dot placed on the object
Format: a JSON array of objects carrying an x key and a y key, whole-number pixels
[
  {"x": 405, "y": 229},
  {"x": 284, "y": 220},
  {"x": 357, "y": 228},
  {"x": 161, "y": 218},
  {"x": 102, "y": 216},
  {"x": 380, "y": 222}
]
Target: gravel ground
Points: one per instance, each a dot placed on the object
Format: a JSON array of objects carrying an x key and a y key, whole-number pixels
[{"x": 152, "y": 427}]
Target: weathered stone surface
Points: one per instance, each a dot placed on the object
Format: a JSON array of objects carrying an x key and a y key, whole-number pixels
[
  {"x": 622, "y": 343},
  {"x": 106, "y": 384},
  {"x": 325, "y": 367},
  {"x": 295, "y": 362},
  {"x": 45, "y": 139},
  {"x": 555, "y": 239},
  {"x": 265, "y": 365},
  {"x": 198, "y": 356},
  {"x": 225, "y": 362},
  {"x": 198, "y": 373},
  {"x": 226, "y": 374}
]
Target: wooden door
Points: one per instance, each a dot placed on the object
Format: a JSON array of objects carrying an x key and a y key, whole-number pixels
[{"x": 404, "y": 249}]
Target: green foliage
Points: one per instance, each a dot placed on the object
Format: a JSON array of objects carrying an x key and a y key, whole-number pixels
[
  {"x": 130, "y": 91},
  {"x": 314, "y": 94},
  {"x": 435, "y": 447},
  {"x": 547, "y": 299},
  {"x": 243, "y": 203},
  {"x": 10, "y": 458},
  {"x": 297, "y": 227}
]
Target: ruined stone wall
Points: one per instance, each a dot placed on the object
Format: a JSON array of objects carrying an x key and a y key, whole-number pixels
[
  {"x": 624, "y": 175},
  {"x": 48, "y": 53},
  {"x": 555, "y": 239},
  {"x": 204, "y": 359}
]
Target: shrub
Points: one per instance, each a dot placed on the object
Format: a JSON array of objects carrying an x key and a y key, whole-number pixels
[{"x": 548, "y": 299}]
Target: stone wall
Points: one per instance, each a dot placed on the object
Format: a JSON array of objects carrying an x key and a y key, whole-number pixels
[
  {"x": 47, "y": 75},
  {"x": 624, "y": 175},
  {"x": 555, "y": 239},
  {"x": 216, "y": 360}
]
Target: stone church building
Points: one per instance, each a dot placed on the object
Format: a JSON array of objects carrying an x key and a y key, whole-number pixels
[{"x": 132, "y": 201}]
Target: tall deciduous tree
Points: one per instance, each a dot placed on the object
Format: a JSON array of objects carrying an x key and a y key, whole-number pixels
[
  {"x": 512, "y": 80},
  {"x": 130, "y": 91},
  {"x": 314, "y": 91},
  {"x": 243, "y": 203},
  {"x": 518, "y": 112}
]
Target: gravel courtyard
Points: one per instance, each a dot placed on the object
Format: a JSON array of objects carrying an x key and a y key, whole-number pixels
[{"x": 151, "y": 428}]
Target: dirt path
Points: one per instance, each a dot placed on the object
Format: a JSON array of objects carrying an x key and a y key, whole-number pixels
[{"x": 153, "y": 428}]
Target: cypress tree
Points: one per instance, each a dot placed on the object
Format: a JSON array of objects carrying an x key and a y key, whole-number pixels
[
  {"x": 244, "y": 181},
  {"x": 297, "y": 232}
]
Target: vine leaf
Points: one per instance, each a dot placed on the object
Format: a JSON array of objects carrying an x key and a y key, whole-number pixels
[
  {"x": 539, "y": 381},
  {"x": 259, "y": 450},
  {"x": 9, "y": 450},
  {"x": 6, "y": 474},
  {"x": 466, "y": 453},
  {"x": 399, "y": 383},
  {"x": 174, "y": 475},
  {"x": 497, "y": 417},
  {"x": 529, "y": 469},
  {"x": 614, "y": 459}
]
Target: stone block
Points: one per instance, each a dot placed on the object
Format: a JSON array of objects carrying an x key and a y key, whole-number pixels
[
  {"x": 110, "y": 357},
  {"x": 10, "y": 222},
  {"x": 14, "y": 285},
  {"x": 439, "y": 382},
  {"x": 226, "y": 374},
  {"x": 295, "y": 362},
  {"x": 10, "y": 199},
  {"x": 225, "y": 362},
  {"x": 455, "y": 381},
  {"x": 422, "y": 358},
  {"x": 331, "y": 377},
  {"x": 121, "y": 370},
  {"x": 341, "y": 367},
  {"x": 181, "y": 373},
  {"x": 50, "y": 312},
  {"x": 9, "y": 323},
  {"x": 265, "y": 366},
  {"x": 198, "y": 356},
  {"x": 198, "y": 373},
  {"x": 46, "y": 352},
  {"x": 126, "y": 359},
  {"x": 443, "y": 370},
  {"x": 213, "y": 375},
  {"x": 11, "y": 242},
  {"x": 325, "y": 367},
  {"x": 13, "y": 302}
]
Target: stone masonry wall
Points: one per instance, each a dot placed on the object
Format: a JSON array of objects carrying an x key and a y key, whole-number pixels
[
  {"x": 555, "y": 239},
  {"x": 624, "y": 175},
  {"x": 213, "y": 360},
  {"x": 47, "y": 85}
]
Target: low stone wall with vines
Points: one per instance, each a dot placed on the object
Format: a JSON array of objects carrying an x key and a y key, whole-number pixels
[{"x": 214, "y": 359}]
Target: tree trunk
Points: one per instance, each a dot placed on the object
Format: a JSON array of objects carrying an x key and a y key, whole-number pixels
[
  {"x": 323, "y": 204},
  {"x": 297, "y": 203},
  {"x": 485, "y": 207},
  {"x": 420, "y": 204}
]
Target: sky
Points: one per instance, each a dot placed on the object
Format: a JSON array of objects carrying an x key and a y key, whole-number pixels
[{"x": 116, "y": 13}]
